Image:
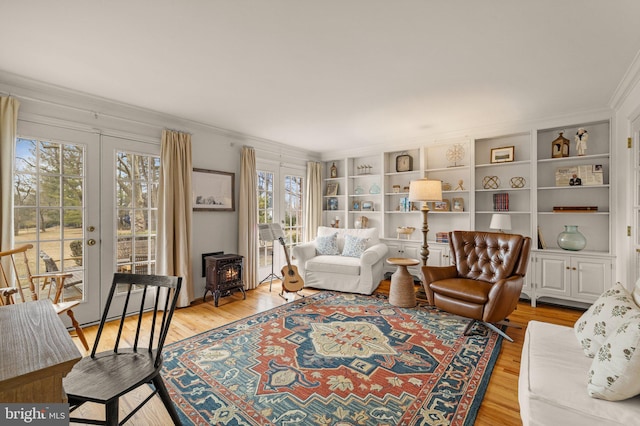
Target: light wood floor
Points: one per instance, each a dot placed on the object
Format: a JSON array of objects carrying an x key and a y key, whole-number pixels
[{"x": 499, "y": 407}]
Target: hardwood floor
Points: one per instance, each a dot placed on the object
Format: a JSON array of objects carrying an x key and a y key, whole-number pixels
[{"x": 499, "y": 407}]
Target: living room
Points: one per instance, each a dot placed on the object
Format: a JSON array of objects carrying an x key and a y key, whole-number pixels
[{"x": 394, "y": 85}]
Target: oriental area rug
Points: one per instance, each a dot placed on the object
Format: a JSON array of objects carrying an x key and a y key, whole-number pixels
[{"x": 333, "y": 359}]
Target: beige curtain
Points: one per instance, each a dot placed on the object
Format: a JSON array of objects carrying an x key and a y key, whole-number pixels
[
  {"x": 8, "y": 127},
  {"x": 248, "y": 217},
  {"x": 313, "y": 198},
  {"x": 174, "y": 211}
]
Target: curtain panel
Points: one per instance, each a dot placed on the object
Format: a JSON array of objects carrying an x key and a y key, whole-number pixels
[
  {"x": 174, "y": 211},
  {"x": 248, "y": 217},
  {"x": 313, "y": 200},
  {"x": 8, "y": 130}
]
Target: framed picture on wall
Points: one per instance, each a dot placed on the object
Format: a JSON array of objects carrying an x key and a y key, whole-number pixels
[{"x": 213, "y": 190}]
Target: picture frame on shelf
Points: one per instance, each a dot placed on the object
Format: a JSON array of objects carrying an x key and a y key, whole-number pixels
[
  {"x": 332, "y": 203},
  {"x": 457, "y": 204},
  {"x": 355, "y": 206},
  {"x": 441, "y": 206},
  {"x": 366, "y": 206},
  {"x": 332, "y": 189},
  {"x": 503, "y": 154}
]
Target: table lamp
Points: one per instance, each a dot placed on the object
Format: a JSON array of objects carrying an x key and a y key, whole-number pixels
[
  {"x": 425, "y": 190},
  {"x": 501, "y": 222}
]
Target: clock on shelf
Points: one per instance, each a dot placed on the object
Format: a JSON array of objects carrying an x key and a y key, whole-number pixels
[
  {"x": 455, "y": 153},
  {"x": 404, "y": 163}
]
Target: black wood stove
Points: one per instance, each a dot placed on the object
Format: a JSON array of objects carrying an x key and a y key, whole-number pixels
[{"x": 224, "y": 275}]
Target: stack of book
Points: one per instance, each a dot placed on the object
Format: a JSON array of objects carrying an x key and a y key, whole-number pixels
[
  {"x": 442, "y": 237},
  {"x": 405, "y": 204},
  {"x": 501, "y": 202}
]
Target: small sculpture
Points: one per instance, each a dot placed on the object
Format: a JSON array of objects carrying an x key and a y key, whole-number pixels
[
  {"x": 460, "y": 187},
  {"x": 581, "y": 139},
  {"x": 575, "y": 180}
]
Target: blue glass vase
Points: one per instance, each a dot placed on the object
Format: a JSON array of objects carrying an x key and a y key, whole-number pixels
[{"x": 571, "y": 239}]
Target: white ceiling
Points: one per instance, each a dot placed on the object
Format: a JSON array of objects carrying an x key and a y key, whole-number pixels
[{"x": 330, "y": 74}]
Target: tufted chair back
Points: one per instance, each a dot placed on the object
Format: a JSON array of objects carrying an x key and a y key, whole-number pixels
[{"x": 489, "y": 256}]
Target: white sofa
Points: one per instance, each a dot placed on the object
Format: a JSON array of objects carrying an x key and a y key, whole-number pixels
[
  {"x": 554, "y": 384},
  {"x": 342, "y": 273}
]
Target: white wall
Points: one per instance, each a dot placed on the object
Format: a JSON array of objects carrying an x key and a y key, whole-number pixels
[{"x": 213, "y": 148}]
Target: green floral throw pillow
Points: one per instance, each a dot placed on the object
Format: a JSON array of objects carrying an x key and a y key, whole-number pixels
[
  {"x": 614, "y": 307},
  {"x": 615, "y": 369}
]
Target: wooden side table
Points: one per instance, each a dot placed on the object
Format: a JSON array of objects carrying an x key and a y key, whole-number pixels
[
  {"x": 402, "y": 292},
  {"x": 36, "y": 352}
]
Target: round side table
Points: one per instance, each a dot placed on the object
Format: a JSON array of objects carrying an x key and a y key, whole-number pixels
[{"x": 402, "y": 292}]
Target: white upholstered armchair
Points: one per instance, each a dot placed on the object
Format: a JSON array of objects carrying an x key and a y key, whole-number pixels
[{"x": 347, "y": 260}]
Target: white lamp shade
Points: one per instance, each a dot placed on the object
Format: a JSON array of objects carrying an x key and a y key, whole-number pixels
[
  {"x": 500, "y": 221},
  {"x": 425, "y": 190}
]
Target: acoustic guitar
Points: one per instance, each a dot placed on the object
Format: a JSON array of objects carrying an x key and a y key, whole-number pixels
[{"x": 291, "y": 279}]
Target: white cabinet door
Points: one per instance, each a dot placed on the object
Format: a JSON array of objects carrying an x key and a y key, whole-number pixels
[
  {"x": 590, "y": 277},
  {"x": 438, "y": 255},
  {"x": 579, "y": 278},
  {"x": 553, "y": 276}
]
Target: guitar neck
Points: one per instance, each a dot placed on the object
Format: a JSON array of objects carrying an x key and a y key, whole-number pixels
[{"x": 286, "y": 252}]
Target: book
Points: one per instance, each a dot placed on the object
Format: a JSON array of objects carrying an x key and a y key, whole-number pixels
[
  {"x": 501, "y": 202},
  {"x": 575, "y": 209},
  {"x": 541, "y": 243}
]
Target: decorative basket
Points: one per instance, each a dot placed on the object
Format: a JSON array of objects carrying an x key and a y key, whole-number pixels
[{"x": 405, "y": 230}]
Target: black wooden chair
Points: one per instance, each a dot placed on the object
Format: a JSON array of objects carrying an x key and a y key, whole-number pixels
[{"x": 106, "y": 376}]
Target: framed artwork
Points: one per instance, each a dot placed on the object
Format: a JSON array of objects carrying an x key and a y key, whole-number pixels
[
  {"x": 333, "y": 203},
  {"x": 502, "y": 155},
  {"x": 332, "y": 189},
  {"x": 457, "y": 204},
  {"x": 213, "y": 190},
  {"x": 355, "y": 205},
  {"x": 367, "y": 206},
  {"x": 441, "y": 206}
]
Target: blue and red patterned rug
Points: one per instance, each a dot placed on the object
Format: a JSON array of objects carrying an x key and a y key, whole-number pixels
[{"x": 333, "y": 359}]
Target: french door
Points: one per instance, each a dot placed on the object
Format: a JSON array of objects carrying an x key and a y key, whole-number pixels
[
  {"x": 280, "y": 200},
  {"x": 131, "y": 172},
  {"x": 57, "y": 208},
  {"x": 88, "y": 205}
]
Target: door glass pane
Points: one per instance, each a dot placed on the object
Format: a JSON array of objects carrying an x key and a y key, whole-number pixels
[
  {"x": 48, "y": 196},
  {"x": 265, "y": 214},
  {"x": 293, "y": 210},
  {"x": 136, "y": 210}
]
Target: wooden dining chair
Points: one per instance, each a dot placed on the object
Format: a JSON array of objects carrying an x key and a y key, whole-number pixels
[
  {"x": 16, "y": 279},
  {"x": 132, "y": 357}
]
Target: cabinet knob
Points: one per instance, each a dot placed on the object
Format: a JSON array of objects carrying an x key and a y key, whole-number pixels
[
  {"x": 574, "y": 268},
  {"x": 568, "y": 268}
]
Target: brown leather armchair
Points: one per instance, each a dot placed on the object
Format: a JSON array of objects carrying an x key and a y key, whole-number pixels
[{"x": 485, "y": 280}]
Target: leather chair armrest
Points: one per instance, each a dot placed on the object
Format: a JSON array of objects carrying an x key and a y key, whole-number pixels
[
  {"x": 436, "y": 273},
  {"x": 374, "y": 254},
  {"x": 503, "y": 298}
]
